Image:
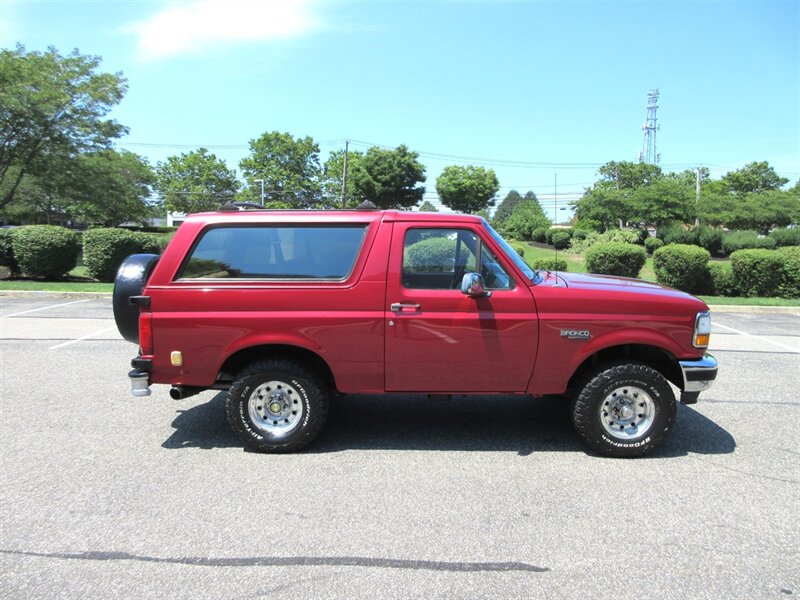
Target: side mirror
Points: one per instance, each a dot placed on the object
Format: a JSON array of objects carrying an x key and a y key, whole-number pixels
[{"x": 472, "y": 285}]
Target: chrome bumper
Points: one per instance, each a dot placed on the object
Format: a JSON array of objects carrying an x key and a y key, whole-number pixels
[{"x": 698, "y": 375}]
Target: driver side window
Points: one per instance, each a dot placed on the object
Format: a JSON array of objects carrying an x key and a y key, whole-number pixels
[{"x": 436, "y": 259}]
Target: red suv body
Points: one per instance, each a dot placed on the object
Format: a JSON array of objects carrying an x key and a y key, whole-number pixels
[{"x": 373, "y": 301}]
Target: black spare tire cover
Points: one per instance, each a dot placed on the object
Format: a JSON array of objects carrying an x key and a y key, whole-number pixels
[{"x": 131, "y": 278}]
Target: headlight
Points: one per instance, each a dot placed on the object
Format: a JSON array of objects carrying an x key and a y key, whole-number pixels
[{"x": 702, "y": 330}]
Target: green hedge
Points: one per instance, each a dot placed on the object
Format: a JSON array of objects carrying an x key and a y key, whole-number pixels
[
  {"x": 790, "y": 276},
  {"x": 45, "y": 250},
  {"x": 652, "y": 244},
  {"x": 7, "y": 250},
  {"x": 560, "y": 239},
  {"x": 786, "y": 237},
  {"x": 539, "y": 235},
  {"x": 743, "y": 240},
  {"x": 682, "y": 266},
  {"x": 723, "y": 281},
  {"x": 615, "y": 258},
  {"x": 105, "y": 249},
  {"x": 550, "y": 264},
  {"x": 757, "y": 271},
  {"x": 553, "y": 231},
  {"x": 710, "y": 239}
]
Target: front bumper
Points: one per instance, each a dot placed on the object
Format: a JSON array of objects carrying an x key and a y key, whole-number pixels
[{"x": 698, "y": 375}]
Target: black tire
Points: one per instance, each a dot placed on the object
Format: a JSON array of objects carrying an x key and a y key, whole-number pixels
[
  {"x": 277, "y": 406},
  {"x": 624, "y": 410},
  {"x": 131, "y": 278}
]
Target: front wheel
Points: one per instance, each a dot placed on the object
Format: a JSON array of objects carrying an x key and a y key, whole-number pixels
[
  {"x": 277, "y": 406},
  {"x": 625, "y": 410}
]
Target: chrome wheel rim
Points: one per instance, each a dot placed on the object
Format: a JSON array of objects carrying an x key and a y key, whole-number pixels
[
  {"x": 275, "y": 407},
  {"x": 627, "y": 412}
]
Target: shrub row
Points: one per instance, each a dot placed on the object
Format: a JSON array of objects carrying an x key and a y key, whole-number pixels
[
  {"x": 750, "y": 272},
  {"x": 52, "y": 252},
  {"x": 550, "y": 264}
]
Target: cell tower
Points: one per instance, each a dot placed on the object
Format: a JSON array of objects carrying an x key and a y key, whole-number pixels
[{"x": 650, "y": 127}]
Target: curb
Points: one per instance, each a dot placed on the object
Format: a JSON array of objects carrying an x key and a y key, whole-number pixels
[
  {"x": 52, "y": 294},
  {"x": 732, "y": 308}
]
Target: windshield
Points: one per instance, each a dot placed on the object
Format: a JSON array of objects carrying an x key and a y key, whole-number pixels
[{"x": 511, "y": 253}]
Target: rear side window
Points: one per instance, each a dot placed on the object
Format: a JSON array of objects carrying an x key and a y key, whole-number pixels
[{"x": 275, "y": 252}]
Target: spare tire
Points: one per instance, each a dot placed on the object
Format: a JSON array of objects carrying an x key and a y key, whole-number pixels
[{"x": 132, "y": 276}]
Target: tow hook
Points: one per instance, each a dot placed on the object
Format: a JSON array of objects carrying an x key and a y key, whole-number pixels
[{"x": 140, "y": 383}]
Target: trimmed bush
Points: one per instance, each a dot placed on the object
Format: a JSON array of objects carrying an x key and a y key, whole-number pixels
[
  {"x": 540, "y": 235},
  {"x": 786, "y": 237},
  {"x": 45, "y": 250},
  {"x": 744, "y": 240},
  {"x": 550, "y": 264},
  {"x": 580, "y": 234},
  {"x": 790, "y": 277},
  {"x": 519, "y": 250},
  {"x": 7, "y": 249},
  {"x": 682, "y": 266},
  {"x": 710, "y": 239},
  {"x": 615, "y": 258},
  {"x": 757, "y": 271},
  {"x": 105, "y": 249},
  {"x": 652, "y": 244},
  {"x": 556, "y": 230},
  {"x": 560, "y": 239},
  {"x": 680, "y": 235},
  {"x": 723, "y": 282}
]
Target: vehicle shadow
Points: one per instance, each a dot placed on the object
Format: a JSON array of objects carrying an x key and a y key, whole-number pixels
[{"x": 464, "y": 423}]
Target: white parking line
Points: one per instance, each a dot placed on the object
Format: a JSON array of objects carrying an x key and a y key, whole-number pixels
[
  {"x": 85, "y": 337},
  {"x": 758, "y": 337},
  {"x": 25, "y": 312}
]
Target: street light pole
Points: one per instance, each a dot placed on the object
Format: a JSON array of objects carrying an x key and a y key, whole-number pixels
[{"x": 261, "y": 181}]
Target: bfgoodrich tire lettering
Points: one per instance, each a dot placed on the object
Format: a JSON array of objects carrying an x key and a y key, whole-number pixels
[
  {"x": 625, "y": 410},
  {"x": 277, "y": 406}
]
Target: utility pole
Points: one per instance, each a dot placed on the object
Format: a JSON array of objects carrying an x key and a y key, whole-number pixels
[
  {"x": 697, "y": 195},
  {"x": 261, "y": 181},
  {"x": 344, "y": 175}
]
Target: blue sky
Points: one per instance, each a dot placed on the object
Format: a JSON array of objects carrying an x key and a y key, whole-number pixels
[{"x": 557, "y": 88}]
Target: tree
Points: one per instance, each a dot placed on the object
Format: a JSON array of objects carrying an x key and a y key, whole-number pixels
[
  {"x": 506, "y": 207},
  {"x": 526, "y": 218},
  {"x": 467, "y": 189},
  {"x": 109, "y": 187},
  {"x": 753, "y": 177},
  {"x": 389, "y": 178},
  {"x": 428, "y": 206},
  {"x": 666, "y": 200},
  {"x": 289, "y": 167},
  {"x": 52, "y": 105},
  {"x": 603, "y": 205},
  {"x": 195, "y": 182},
  {"x": 332, "y": 172},
  {"x": 625, "y": 175}
]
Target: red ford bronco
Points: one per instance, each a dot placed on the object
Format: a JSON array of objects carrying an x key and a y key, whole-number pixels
[{"x": 283, "y": 308}]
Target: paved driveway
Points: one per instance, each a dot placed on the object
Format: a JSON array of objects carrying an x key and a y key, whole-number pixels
[{"x": 104, "y": 495}]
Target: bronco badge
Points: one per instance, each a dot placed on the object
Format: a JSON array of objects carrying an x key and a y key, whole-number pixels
[{"x": 576, "y": 334}]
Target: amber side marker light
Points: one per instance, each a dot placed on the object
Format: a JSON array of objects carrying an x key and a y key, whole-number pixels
[{"x": 702, "y": 330}]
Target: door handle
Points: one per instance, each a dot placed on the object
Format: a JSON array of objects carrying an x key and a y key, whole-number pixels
[{"x": 401, "y": 306}]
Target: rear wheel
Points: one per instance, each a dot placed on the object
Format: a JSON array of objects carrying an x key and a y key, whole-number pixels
[
  {"x": 625, "y": 410},
  {"x": 277, "y": 406}
]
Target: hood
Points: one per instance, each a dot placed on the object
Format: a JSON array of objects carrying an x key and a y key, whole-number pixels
[{"x": 623, "y": 285}]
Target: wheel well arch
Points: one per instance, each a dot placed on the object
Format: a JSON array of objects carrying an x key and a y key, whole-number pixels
[
  {"x": 241, "y": 358},
  {"x": 652, "y": 356}
]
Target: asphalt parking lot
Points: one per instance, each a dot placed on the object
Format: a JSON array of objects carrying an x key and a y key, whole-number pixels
[{"x": 103, "y": 494}]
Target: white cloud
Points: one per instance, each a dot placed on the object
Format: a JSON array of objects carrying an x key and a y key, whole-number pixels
[{"x": 203, "y": 25}]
